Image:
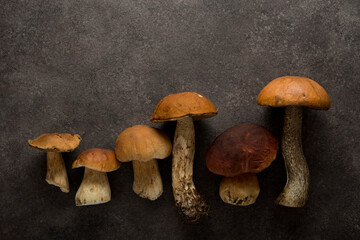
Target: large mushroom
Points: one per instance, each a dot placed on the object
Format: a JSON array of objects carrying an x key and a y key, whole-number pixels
[
  {"x": 185, "y": 108},
  {"x": 238, "y": 153},
  {"x": 54, "y": 144},
  {"x": 142, "y": 145},
  {"x": 95, "y": 187},
  {"x": 293, "y": 93}
]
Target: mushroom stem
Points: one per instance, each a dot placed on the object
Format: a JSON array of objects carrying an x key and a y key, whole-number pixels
[
  {"x": 147, "y": 179},
  {"x": 188, "y": 201},
  {"x": 241, "y": 190},
  {"x": 94, "y": 189},
  {"x": 56, "y": 171},
  {"x": 295, "y": 192}
]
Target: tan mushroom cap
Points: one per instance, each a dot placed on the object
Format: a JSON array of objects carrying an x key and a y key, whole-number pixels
[
  {"x": 294, "y": 91},
  {"x": 180, "y": 105},
  {"x": 142, "y": 143},
  {"x": 56, "y": 142},
  {"x": 98, "y": 159}
]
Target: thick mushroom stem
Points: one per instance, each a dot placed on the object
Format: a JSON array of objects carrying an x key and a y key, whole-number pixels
[
  {"x": 147, "y": 179},
  {"x": 241, "y": 190},
  {"x": 56, "y": 171},
  {"x": 295, "y": 192},
  {"x": 94, "y": 189},
  {"x": 188, "y": 201}
]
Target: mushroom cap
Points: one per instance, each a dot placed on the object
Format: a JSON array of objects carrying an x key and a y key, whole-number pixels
[
  {"x": 244, "y": 148},
  {"x": 98, "y": 159},
  {"x": 292, "y": 90},
  {"x": 56, "y": 142},
  {"x": 142, "y": 143},
  {"x": 180, "y": 105}
]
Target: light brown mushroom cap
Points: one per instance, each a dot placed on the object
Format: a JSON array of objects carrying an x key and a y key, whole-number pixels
[
  {"x": 98, "y": 159},
  {"x": 184, "y": 104},
  {"x": 56, "y": 142},
  {"x": 142, "y": 143},
  {"x": 294, "y": 91}
]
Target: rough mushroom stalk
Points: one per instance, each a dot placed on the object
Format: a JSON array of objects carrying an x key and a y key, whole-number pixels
[
  {"x": 56, "y": 172},
  {"x": 295, "y": 192},
  {"x": 241, "y": 190},
  {"x": 147, "y": 179},
  {"x": 94, "y": 189},
  {"x": 187, "y": 199}
]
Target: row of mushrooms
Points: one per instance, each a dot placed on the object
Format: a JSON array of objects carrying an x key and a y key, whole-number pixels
[{"x": 237, "y": 154}]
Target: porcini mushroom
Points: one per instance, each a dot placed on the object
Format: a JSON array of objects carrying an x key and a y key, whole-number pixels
[
  {"x": 142, "y": 145},
  {"x": 294, "y": 93},
  {"x": 185, "y": 108},
  {"x": 95, "y": 187},
  {"x": 238, "y": 153},
  {"x": 54, "y": 144}
]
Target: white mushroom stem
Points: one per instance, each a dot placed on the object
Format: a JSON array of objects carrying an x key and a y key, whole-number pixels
[
  {"x": 241, "y": 190},
  {"x": 94, "y": 189},
  {"x": 296, "y": 189},
  {"x": 56, "y": 171},
  {"x": 187, "y": 199},
  {"x": 147, "y": 179}
]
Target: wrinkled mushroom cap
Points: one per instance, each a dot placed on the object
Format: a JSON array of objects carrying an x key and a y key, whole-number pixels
[
  {"x": 142, "y": 143},
  {"x": 244, "y": 148},
  {"x": 184, "y": 104},
  {"x": 56, "y": 142},
  {"x": 294, "y": 91},
  {"x": 98, "y": 159}
]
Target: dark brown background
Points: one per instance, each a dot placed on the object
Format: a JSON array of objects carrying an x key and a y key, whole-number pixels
[{"x": 97, "y": 67}]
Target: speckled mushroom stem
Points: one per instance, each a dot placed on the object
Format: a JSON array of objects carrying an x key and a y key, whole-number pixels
[
  {"x": 190, "y": 204},
  {"x": 94, "y": 189},
  {"x": 296, "y": 189},
  {"x": 147, "y": 179},
  {"x": 56, "y": 171},
  {"x": 241, "y": 190}
]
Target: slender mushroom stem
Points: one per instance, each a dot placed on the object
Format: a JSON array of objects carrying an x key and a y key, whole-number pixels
[
  {"x": 94, "y": 189},
  {"x": 187, "y": 199},
  {"x": 56, "y": 171},
  {"x": 147, "y": 179},
  {"x": 295, "y": 192},
  {"x": 241, "y": 190}
]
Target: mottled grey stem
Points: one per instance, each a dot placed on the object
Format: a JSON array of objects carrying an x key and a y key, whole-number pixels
[
  {"x": 296, "y": 189},
  {"x": 187, "y": 199}
]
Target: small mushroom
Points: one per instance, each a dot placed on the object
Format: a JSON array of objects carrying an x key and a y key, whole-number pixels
[
  {"x": 239, "y": 153},
  {"x": 185, "y": 108},
  {"x": 142, "y": 145},
  {"x": 54, "y": 144},
  {"x": 95, "y": 187},
  {"x": 294, "y": 93}
]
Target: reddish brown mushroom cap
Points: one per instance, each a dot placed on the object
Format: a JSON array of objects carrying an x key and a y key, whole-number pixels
[{"x": 244, "y": 148}]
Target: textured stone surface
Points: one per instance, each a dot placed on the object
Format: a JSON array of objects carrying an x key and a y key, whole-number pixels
[{"x": 97, "y": 67}]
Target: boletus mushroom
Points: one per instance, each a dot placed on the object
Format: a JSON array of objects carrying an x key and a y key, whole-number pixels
[
  {"x": 95, "y": 187},
  {"x": 293, "y": 93},
  {"x": 238, "y": 154},
  {"x": 54, "y": 144},
  {"x": 185, "y": 108},
  {"x": 142, "y": 145}
]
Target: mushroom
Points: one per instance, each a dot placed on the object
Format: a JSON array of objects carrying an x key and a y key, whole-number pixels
[
  {"x": 294, "y": 93},
  {"x": 238, "y": 153},
  {"x": 143, "y": 145},
  {"x": 54, "y": 144},
  {"x": 185, "y": 108},
  {"x": 95, "y": 187}
]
